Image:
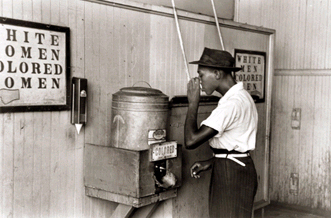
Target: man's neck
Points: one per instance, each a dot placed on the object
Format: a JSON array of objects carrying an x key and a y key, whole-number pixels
[{"x": 226, "y": 84}]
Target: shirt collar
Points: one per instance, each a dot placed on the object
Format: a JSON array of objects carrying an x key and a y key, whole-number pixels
[{"x": 233, "y": 90}]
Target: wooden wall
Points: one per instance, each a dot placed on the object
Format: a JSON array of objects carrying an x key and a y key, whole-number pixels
[
  {"x": 302, "y": 80},
  {"x": 41, "y": 154}
]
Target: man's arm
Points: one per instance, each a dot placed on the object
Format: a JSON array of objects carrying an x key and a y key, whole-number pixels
[{"x": 194, "y": 136}]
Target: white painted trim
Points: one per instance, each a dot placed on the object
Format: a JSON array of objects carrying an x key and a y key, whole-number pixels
[
  {"x": 302, "y": 72},
  {"x": 270, "y": 73},
  {"x": 236, "y": 11}
]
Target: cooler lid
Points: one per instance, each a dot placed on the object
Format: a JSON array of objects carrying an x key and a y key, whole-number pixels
[
  {"x": 140, "y": 94},
  {"x": 141, "y": 91}
]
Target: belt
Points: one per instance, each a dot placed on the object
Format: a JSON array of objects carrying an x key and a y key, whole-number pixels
[{"x": 233, "y": 157}]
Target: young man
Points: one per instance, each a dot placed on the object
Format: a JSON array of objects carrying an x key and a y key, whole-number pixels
[{"x": 231, "y": 131}]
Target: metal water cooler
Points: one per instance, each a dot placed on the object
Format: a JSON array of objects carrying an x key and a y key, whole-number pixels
[{"x": 140, "y": 166}]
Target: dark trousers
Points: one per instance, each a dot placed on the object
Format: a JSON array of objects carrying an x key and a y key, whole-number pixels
[{"x": 232, "y": 188}]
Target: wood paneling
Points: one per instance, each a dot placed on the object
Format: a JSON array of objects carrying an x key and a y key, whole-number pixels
[
  {"x": 303, "y": 30},
  {"x": 305, "y": 151},
  {"x": 302, "y": 60},
  {"x": 41, "y": 154}
]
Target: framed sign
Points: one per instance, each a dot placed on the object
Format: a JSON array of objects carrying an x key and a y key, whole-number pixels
[
  {"x": 34, "y": 66},
  {"x": 253, "y": 64}
]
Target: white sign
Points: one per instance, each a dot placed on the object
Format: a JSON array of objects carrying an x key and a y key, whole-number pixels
[
  {"x": 163, "y": 150},
  {"x": 253, "y": 72},
  {"x": 33, "y": 64}
]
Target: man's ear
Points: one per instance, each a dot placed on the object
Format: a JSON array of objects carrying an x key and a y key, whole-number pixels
[{"x": 218, "y": 74}]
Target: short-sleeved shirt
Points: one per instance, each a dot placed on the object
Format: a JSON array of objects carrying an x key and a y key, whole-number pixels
[{"x": 236, "y": 119}]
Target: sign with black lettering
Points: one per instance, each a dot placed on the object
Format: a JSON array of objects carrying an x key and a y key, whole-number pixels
[
  {"x": 34, "y": 66},
  {"x": 253, "y": 64},
  {"x": 163, "y": 150}
]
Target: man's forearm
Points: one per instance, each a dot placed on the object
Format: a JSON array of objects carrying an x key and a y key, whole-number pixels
[{"x": 191, "y": 125}]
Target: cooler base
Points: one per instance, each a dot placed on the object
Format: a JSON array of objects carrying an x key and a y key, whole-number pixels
[{"x": 128, "y": 200}]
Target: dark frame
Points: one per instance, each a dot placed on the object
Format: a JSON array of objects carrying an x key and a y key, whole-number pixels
[
  {"x": 256, "y": 98},
  {"x": 53, "y": 28}
]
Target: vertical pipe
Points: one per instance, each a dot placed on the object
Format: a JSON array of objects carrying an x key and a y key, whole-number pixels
[
  {"x": 180, "y": 40},
  {"x": 217, "y": 24}
]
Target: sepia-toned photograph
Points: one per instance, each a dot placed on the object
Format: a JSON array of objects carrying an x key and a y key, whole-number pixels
[{"x": 165, "y": 108}]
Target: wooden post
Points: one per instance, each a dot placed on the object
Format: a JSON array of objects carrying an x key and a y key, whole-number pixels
[
  {"x": 146, "y": 211},
  {"x": 122, "y": 210}
]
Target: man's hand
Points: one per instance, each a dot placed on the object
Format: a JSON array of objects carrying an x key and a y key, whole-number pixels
[
  {"x": 200, "y": 166},
  {"x": 196, "y": 168},
  {"x": 193, "y": 90}
]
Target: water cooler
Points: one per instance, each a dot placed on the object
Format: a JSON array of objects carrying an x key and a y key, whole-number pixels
[{"x": 140, "y": 166}]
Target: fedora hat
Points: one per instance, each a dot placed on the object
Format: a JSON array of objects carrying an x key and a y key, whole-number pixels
[{"x": 216, "y": 58}]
